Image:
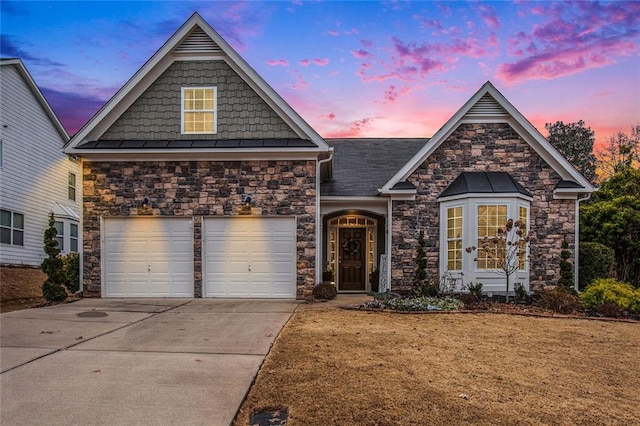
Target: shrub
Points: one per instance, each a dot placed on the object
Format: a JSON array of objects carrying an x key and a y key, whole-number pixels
[
  {"x": 604, "y": 292},
  {"x": 521, "y": 293},
  {"x": 475, "y": 290},
  {"x": 72, "y": 272},
  {"x": 559, "y": 300},
  {"x": 53, "y": 266},
  {"x": 53, "y": 292},
  {"x": 596, "y": 261},
  {"x": 416, "y": 304},
  {"x": 566, "y": 267},
  {"x": 325, "y": 291}
]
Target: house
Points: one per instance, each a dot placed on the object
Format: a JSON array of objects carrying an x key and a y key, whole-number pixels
[
  {"x": 200, "y": 181},
  {"x": 36, "y": 177}
]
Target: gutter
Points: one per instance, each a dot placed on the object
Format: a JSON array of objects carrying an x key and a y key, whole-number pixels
[{"x": 318, "y": 268}]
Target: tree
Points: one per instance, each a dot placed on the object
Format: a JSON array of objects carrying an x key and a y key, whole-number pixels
[
  {"x": 612, "y": 218},
  {"x": 575, "y": 142},
  {"x": 422, "y": 283},
  {"x": 53, "y": 266},
  {"x": 622, "y": 150},
  {"x": 506, "y": 249}
]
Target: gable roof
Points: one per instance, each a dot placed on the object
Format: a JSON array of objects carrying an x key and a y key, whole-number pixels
[
  {"x": 198, "y": 40},
  {"x": 361, "y": 166},
  {"x": 484, "y": 183},
  {"x": 31, "y": 84},
  {"x": 488, "y": 105}
]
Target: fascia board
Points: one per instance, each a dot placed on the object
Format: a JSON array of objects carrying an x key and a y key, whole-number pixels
[
  {"x": 338, "y": 199},
  {"x": 97, "y": 122},
  {"x": 175, "y": 155},
  {"x": 492, "y": 195},
  {"x": 526, "y": 130},
  {"x": 266, "y": 92},
  {"x": 24, "y": 73},
  {"x": 434, "y": 142},
  {"x": 541, "y": 145},
  {"x": 162, "y": 59}
]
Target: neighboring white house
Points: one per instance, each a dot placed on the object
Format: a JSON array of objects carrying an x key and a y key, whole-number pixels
[{"x": 36, "y": 177}]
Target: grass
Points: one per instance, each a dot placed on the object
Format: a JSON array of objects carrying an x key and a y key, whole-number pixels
[{"x": 340, "y": 367}]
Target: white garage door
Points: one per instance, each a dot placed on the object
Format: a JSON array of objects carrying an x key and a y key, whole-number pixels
[
  {"x": 148, "y": 257},
  {"x": 249, "y": 257}
]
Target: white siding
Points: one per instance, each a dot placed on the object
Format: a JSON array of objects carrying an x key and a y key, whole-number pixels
[{"x": 35, "y": 171}]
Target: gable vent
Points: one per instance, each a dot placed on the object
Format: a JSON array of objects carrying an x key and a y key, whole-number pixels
[
  {"x": 487, "y": 106},
  {"x": 197, "y": 42}
]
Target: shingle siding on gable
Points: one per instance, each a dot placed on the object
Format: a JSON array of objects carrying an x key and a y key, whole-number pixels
[
  {"x": 242, "y": 114},
  {"x": 482, "y": 147}
]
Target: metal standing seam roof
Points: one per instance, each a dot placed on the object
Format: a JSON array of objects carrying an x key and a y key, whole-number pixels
[
  {"x": 484, "y": 182},
  {"x": 197, "y": 144},
  {"x": 361, "y": 166}
]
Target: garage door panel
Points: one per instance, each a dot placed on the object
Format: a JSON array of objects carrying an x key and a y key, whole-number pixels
[
  {"x": 249, "y": 257},
  {"x": 148, "y": 257}
]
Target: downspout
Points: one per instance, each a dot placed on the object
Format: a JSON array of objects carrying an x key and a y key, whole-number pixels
[
  {"x": 389, "y": 237},
  {"x": 318, "y": 218},
  {"x": 576, "y": 249}
]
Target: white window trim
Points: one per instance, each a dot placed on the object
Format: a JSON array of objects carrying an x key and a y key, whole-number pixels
[
  {"x": 445, "y": 239},
  {"x": 74, "y": 186},
  {"x": 66, "y": 235},
  {"x": 12, "y": 228},
  {"x": 470, "y": 271},
  {"x": 215, "y": 110}
]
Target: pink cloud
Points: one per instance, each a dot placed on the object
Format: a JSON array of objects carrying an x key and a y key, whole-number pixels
[
  {"x": 321, "y": 62},
  {"x": 278, "y": 62},
  {"x": 361, "y": 54},
  {"x": 356, "y": 128},
  {"x": 573, "y": 38},
  {"x": 367, "y": 43},
  {"x": 330, "y": 116},
  {"x": 299, "y": 83},
  {"x": 488, "y": 15},
  {"x": 333, "y": 33},
  {"x": 304, "y": 62}
]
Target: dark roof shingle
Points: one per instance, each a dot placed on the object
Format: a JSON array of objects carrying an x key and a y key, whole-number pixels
[{"x": 361, "y": 166}]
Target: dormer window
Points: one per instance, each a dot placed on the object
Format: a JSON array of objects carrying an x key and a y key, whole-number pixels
[{"x": 199, "y": 112}]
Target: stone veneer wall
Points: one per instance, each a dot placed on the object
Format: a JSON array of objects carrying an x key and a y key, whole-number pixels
[
  {"x": 196, "y": 189},
  {"x": 482, "y": 147},
  {"x": 241, "y": 114}
]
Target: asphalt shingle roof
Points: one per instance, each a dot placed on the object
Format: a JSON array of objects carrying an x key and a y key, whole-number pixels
[{"x": 361, "y": 166}]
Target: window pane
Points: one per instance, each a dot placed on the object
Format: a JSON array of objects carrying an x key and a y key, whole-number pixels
[
  {"x": 73, "y": 245},
  {"x": 73, "y": 231},
  {"x": 59, "y": 227},
  {"x": 5, "y": 218},
  {"x": 490, "y": 219},
  {"x": 5, "y": 235},
  {"x": 18, "y": 221},
  {"x": 72, "y": 180},
  {"x": 60, "y": 242},
  {"x": 18, "y": 238}
]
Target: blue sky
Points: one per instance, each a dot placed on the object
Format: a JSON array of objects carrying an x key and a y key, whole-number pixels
[{"x": 356, "y": 68}]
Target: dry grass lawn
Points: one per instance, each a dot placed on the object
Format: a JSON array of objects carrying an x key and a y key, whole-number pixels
[{"x": 337, "y": 367}]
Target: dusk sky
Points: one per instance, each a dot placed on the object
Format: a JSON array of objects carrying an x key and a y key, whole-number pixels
[{"x": 356, "y": 69}]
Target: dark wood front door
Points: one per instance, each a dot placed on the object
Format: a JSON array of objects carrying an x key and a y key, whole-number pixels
[{"x": 352, "y": 267}]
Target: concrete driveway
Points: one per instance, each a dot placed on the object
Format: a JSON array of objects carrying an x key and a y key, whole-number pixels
[{"x": 142, "y": 361}]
